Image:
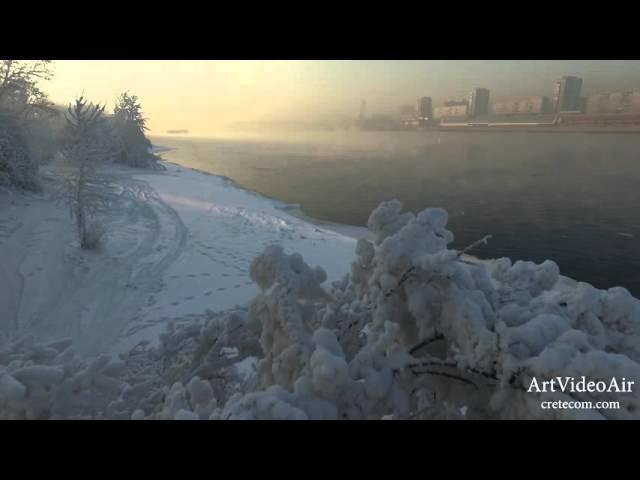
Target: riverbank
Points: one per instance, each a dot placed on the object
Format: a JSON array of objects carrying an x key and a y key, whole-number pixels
[
  {"x": 178, "y": 243},
  {"x": 539, "y": 129}
]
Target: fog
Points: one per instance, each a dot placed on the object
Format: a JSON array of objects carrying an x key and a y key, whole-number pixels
[{"x": 210, "y": 98}]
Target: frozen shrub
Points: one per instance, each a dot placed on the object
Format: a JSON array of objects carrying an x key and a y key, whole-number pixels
[{"x": 416, "y": 331}]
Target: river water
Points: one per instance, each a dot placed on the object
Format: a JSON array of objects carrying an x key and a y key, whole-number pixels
[{"x": 570, "y": 197}]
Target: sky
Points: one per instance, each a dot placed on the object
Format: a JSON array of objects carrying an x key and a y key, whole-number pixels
[{"x": 206, "y": 97}]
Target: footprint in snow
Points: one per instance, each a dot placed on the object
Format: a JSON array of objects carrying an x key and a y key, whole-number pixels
[
  {"x": 220, "y": 289},
  {"x": 175, "y": 303},
  {"x": 189, "y": 298},
  {"x": 208, "y": 294},
  {"x": 191, "y": 275}
]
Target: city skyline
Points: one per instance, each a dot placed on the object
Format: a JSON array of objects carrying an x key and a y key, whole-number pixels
[{"x": 208, "y": 96}]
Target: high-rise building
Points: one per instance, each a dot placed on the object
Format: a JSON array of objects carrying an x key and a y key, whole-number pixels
[
  {"x": 566, "y": 95},
  {"x": 425, "y": 109},
  {"x": 479, "y": 102}
]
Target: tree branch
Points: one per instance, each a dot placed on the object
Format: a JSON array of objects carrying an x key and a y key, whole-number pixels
[
  {"x": 474, "y": 245},
  {"x": 447, "y": 375},
  {"x": 424, "y": 343}
]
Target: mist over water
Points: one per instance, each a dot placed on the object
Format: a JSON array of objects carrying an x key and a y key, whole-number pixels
[{"x": 572, "y": 198}]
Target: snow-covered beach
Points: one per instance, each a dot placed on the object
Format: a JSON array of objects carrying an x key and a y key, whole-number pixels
[{"x": 179, "y": 242}]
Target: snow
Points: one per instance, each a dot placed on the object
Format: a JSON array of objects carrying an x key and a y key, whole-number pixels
[
  {"x": 246, "y": 368},
  {"x": 225, "y": 228},
  {"x": 179, "y": 242}
]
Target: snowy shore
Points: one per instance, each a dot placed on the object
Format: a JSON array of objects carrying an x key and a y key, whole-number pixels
[
  {"x": 179, "y": 242},
  {"x": 185, "y": 313}
]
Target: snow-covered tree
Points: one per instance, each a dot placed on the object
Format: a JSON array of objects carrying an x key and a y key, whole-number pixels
[
  {"x": 85, "y": 148},
  {"x": 129, "y": 125},
  {"x": 25, "y": 111},
  {"x": 19, "y": 89},
  {"x": 17, "y": 167}
]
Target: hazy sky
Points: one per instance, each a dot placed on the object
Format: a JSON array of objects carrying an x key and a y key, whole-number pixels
[{"x": 204, "y": 96}]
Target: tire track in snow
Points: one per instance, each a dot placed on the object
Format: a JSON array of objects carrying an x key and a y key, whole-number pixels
[
  {"x": 158, "y": 250},
  {"x": 94, "y": 295}
]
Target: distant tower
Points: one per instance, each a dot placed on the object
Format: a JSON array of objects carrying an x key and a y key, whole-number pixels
[
  {"x": 566, "y": 95},
  {"x": 479, "y": 102},
  {"x": 425, "y": 109},
  {"x": 363, "y": 110}
]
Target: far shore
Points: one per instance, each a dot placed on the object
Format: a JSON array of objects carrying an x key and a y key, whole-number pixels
[{"x": 542, "y": 129}]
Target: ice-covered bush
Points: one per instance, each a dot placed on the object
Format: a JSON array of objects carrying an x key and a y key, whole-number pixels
[
  {"x": 181, "y": 378},
  {"x": 51, "y": 382},
  {"x": 421, "y": 331}
]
